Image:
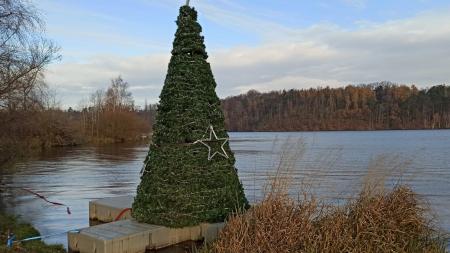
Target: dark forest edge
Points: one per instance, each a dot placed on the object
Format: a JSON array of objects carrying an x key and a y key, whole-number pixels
[{"x": 376, "y": 106}]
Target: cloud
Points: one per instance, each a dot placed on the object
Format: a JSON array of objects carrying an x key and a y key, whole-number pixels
[
  {"x": 75, "y": 81},
  {"x": 413, "y": 50}
]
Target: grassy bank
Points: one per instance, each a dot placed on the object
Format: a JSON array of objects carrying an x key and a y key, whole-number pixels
[{"x": 23, "y": 230}]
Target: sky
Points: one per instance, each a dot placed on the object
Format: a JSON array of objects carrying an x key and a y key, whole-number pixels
[{"x": 252, "y": 44}]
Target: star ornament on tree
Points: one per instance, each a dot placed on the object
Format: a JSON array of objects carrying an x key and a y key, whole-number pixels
[{"x": 213, "y": 138}]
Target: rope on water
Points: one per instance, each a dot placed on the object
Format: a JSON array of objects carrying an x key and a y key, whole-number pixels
[
  {"x": 12, "y": 237},
  {"x": 48, "y": 201}
]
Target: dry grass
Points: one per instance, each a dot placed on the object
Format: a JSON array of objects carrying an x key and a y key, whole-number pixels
[
  {"x": 391, "y": 222},
  {"x": 376, "y": 220}
]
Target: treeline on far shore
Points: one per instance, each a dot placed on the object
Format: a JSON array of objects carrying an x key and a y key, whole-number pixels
[{"x": 377, "y": 106}]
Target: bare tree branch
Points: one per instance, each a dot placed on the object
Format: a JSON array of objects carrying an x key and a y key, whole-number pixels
[{"x": 24, "y": 52}]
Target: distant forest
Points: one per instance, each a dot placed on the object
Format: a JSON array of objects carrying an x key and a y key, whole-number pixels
[{"x": 374, "y": 106}]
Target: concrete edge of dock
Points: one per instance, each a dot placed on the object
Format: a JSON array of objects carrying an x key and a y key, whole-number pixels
[{"x": 128, "y": 235}]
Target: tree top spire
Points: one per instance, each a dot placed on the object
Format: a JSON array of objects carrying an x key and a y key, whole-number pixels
[{"x": 187, "y": 2}]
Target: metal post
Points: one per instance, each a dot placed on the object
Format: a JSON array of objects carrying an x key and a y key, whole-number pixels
[{"x": 10, "y": 241}]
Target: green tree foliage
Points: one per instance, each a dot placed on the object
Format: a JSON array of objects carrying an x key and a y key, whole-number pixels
[
  {"x": 180, "y": 186},
  {"x": 375, "y": 106}
]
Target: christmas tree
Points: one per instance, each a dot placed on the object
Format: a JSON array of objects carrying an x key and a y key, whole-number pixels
[{"x": 189, "y": 175}]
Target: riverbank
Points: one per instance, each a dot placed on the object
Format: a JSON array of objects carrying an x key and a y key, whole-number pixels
[{"x": 23, "y": 230}]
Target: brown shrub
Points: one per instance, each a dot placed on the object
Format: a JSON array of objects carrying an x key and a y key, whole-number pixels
[{"x": 393, "y": 221}]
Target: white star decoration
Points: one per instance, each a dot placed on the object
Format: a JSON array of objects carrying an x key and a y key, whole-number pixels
[{"x": 213, "y": 138}]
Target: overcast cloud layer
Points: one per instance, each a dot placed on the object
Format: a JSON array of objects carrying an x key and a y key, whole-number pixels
[{"x": 414, "y": 51}]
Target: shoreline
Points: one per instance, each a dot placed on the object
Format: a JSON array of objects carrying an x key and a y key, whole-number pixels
[{"x": 23, "y": 230}]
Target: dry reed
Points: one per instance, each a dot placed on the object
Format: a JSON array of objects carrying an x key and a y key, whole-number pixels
[{"x": 376, "y": 220}]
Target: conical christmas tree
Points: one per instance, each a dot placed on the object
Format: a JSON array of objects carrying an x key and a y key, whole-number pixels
[{"x": 189, "y": 175}]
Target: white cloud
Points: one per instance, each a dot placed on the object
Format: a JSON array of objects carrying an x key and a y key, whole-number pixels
[
  {"x": 413, "y": 50},
  {"x": 75, "y": 81}
]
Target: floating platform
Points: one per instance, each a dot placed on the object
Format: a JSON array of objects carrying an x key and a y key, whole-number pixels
[
  {"x": 108, "y": 209},
  {"x": 130, "y": 236}
]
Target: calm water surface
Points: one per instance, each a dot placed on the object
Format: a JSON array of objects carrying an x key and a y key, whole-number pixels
[{"x": 334, "y": 163}]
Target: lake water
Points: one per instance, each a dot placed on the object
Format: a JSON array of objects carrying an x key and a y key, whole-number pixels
[{"x": 334, "y": 163}]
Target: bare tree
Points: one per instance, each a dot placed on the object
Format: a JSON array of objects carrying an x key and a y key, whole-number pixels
[
  {"x": 24, "y": 54},
  {"x": 111, "y": 115},
  {"x": 97, "y": 101},
  {"x": 118, "y": 97}
]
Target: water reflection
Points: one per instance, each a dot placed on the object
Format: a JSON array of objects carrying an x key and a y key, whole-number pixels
[
  {"x": 333, "y": 163},
  {"x": 72, "y": 176}
]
